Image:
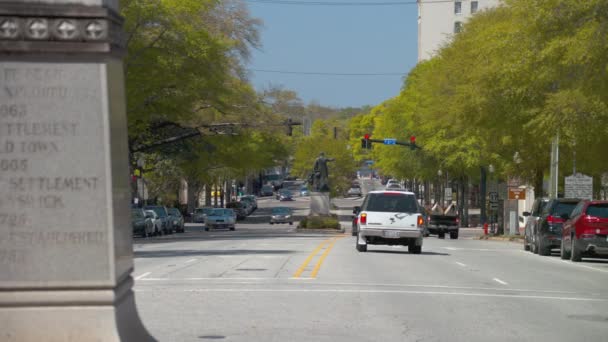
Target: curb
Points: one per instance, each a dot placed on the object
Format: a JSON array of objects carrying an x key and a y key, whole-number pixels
[
  {"x": 320, "y": 231},
  {"x": 498, "y": 238}
]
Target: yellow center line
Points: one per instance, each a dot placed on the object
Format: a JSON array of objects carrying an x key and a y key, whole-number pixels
[
  {"x": 310, "y": 257},
  {"x": 323, "y": 256}
]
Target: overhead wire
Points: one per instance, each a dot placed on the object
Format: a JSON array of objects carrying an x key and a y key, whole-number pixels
[
  {"x": 316, "y": 73},
  {"x": 345, "y": 3}
]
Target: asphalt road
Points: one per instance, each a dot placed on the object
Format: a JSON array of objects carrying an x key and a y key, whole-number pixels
[{"x": 271, "y": 283}]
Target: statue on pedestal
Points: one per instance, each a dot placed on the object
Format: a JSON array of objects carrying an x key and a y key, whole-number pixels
[{"x": 319, "y": 179}]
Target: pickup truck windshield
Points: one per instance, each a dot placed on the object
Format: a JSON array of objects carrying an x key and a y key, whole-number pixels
[{"x": 391, "y": 202}]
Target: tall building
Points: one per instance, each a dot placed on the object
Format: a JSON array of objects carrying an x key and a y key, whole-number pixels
[{"x": 438, "y": 20}]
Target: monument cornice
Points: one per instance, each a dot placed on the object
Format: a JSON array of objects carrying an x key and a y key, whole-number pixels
[{"x": 66, "y": 29}]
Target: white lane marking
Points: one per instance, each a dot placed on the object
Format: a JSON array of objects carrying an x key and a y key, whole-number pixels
[
  {"x": 466, "y": 294},
  {"x": 294, "y": 278},
  {"x": 500, "y": 281},
  {"x": 460, "y": 264},
  {"x": 473, "y": 249},
  {"x": 209, "y": 278},
  {"x": 191, "y": 260},
  {"x": 140, "y": 277},
  {"x": 227, "y": 280}
]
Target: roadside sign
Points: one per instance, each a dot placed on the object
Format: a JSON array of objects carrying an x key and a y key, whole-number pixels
[
  {"x": 517, "y": 194},
  {"x": 493, "y": 200},
  {"x": 448, "y": 194},
  {"x": 390, "y": 141},
  {"x": 578, "y": 186}
]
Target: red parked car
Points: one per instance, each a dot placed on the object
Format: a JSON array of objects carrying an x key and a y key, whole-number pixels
[{"x": 585, "y": 233}]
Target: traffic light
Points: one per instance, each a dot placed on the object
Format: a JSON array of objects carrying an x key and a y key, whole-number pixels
[
  {"x": 412, "y": 143},
  {"x": 365, "y": 143}
]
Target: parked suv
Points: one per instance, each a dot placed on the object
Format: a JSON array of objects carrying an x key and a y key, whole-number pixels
[
  {"x": 549, "y": 227},
  {"x": 585, "y": 234},
  {"x": 532, "y": 219},
  {"x": 390, "y": 218}
]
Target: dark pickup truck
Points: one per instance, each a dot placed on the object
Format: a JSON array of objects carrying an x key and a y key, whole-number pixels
[{"x": 442, "y": 224}]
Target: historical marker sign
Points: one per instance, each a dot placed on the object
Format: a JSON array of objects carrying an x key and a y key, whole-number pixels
[
  {"x": 448, "y": 194},
  {"x": 579, "y": 186},
  {"x": 517, "y": 194}
]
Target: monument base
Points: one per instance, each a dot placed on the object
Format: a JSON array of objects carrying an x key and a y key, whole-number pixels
[
  {"x": 71, "y": 315},
  {"x": 319, "y": 204}
]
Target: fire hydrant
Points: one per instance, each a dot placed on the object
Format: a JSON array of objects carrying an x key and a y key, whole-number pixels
[{"x": 485, "y": 229}]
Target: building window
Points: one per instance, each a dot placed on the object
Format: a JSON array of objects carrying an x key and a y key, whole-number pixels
[
  {"x": 457, "y": 27},
  {"x": 458, "y": 7},
  {"x": 474, "y": 6}
]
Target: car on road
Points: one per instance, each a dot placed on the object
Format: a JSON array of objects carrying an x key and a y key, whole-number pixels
[
  {"x": 221, "y": 218},
  {"x": 177, "y": 220},
  {"x": 393, "y": 186},
  {"x": 585, "y": 233},
  {"x": 200, "y": 213},
  {"x": 267, "y": 190},
  {"x": 281, "y": 215},
  {"x": 284, "y": 195},
  {"x": 549, "y": 228},
  {"x": 142, "y": 225},
  {"x": 304, "y": 191},
  {"x": 354, "y": 191},
  {"x": 443, "y": 223},
  {"x": 157, "y": 222},
  {"x": 532, "y": 218},
  {"x": 241, "y": 209},
  {"x": 163, "y": 213},
  {"x": 252, "y": 199},
  {"x": 390, "y": 218}
]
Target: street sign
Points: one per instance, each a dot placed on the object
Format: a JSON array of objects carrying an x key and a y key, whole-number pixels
[
  {"x": 448, "y": 194},
  {"x": 493, "y": 200},
  {"x": 578, "y": 186},
  {"x": 517, "y": 194},
  {"x": 390, "y": 141}
]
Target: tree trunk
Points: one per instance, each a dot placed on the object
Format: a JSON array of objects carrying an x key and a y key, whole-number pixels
[
  {"x": 538, "y": 183},
  {"x": 207, "y": 195}
]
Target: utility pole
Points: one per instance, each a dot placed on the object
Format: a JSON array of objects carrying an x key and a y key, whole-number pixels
[{"x": 554, "y": 170}]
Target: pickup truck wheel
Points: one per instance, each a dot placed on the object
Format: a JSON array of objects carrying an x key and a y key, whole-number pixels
[
  {"x": 413, "y": 249},
  {"x": 454, "y": 235},
  {"x": 526, "y": 244},
  {"x": 441, "y": 235},
  {"x": 206, "y": 229},
  {"x": 232, "y": 228},
  {"x": 575, "y": 252}
]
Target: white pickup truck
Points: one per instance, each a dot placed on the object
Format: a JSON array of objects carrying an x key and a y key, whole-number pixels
[{"x": 390, "y": 218}]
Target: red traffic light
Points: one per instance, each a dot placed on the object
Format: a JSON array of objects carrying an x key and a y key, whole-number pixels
[{"x": 366, "y": 137}]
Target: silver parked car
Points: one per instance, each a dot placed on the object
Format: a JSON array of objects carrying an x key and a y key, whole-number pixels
[
  {"x": 162, "y": 212},
  {"x": 220, "y": 218},
  {"x": 177, "y": 220},
  {"x": 157, "y": 222},
  {"x": 142, "y": 225},
  {"x": 200, "y": 214}
]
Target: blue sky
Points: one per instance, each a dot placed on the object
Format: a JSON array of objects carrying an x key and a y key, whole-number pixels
[{"x": 336, "y": 39}]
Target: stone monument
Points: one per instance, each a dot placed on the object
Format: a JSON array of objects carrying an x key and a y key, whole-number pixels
[
  {"x": 319, "y": 181},
  {"x": 65, "y": 235}
]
